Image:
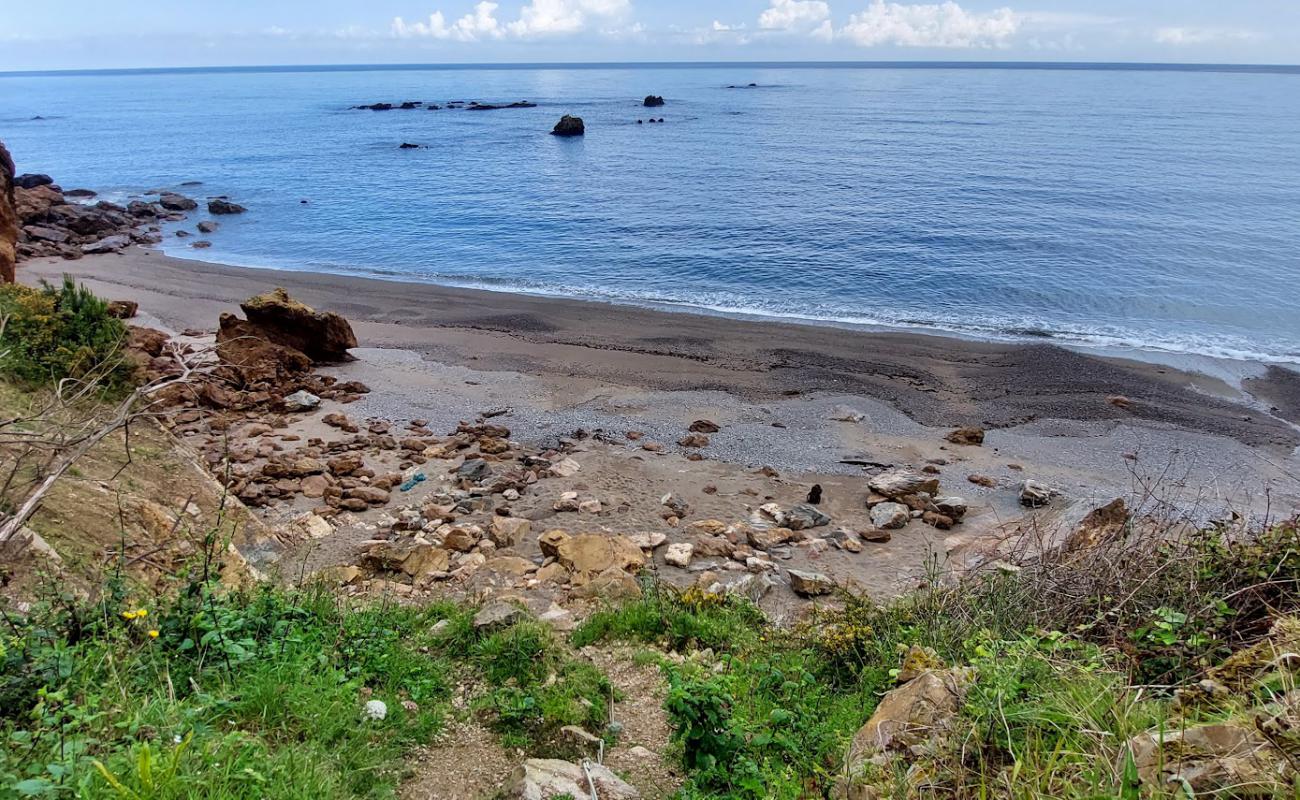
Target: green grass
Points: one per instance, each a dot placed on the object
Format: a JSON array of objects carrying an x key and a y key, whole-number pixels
[{"x": 260, "y": 694}]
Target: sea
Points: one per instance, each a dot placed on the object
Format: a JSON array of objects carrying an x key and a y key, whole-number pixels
[{"x": 1128, "y": 207}]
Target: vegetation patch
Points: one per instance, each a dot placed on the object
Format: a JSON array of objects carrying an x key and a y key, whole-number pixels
[{"x": 59, "y": 332}]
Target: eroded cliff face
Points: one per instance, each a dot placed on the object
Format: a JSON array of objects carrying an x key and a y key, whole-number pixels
[{"x": 8, "y": 217}]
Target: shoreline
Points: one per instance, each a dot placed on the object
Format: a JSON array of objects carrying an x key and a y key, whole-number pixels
[
  {"x": 935, "y": 380},
  {"x": 1232, "y": 368}
]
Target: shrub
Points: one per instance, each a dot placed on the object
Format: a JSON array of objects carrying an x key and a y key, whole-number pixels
[{"x": 53, "y": 333}]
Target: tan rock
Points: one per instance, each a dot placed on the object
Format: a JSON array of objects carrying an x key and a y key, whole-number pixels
[
  {"x": 547, "y": 779},
  {"x": 510, "y": 565},
  {"x": 553, "y": 572},
  {"x": 550, "y": 542},
  {"x": 460, "y": 539},
  {"x": 612, "y": 584},
  {"x": 314, "y": 486},
  {"x": 8, "y": 218},
  {"x": 508, "y": 531},
  {"x": 426, "y": 560},
  {"x": 593, "y": 553}
]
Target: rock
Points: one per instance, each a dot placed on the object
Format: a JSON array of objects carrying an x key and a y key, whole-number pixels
[
  {"x": 123, "y": 309},
  {"x": 508, "y": 531},
  {"x": 1219, "y": 759},
  {"x": 369, "y": 494},
  {"x": 890, "y": 516},
  {"x": 649, "y": 541},
  {"x": 177, "y": 202},
  {"x": 460, "y": 540},
  {"x": 221, "y": 206},
  {"x": 374, "y": 711},
  {"x": 565, "y": 468},
  {"x": 208, "y": 226},
  {"x": 426, "y": 560},
  {"x": 982, "y": 480},
  {"x": 550, "y": 779},
  {"x": 810, "y": 584},
  {"x": 803, "y": 517},
  {"x": 27, "y": 180},
  {"x": 409, "y": 146},
  {"x": 704, "y": 426},
  {"x": 954, "y": 507},
  {"x": 590, "y": 507},
  {"x": 767, "y": 538},
  {"x": 498, "y": 614},
  {"x": 594, "y": 553},
  {"x": 8, "y": 218},
  {"x": 972, "y": 437},
  {"x": 109, "y": 244},
  {"x": 321, "y": 335},
  {"x": 345, "y": 464},
  {"x": 569, "y": 126},
  {"x": 474, "y": 470},
  {"x": 694, "y": 440},
  {"x": 242, "y": 345},
  {"x": 679, "y": 507},
  {"x": 314, "y": 486},
  {"x": 1035, "y": 494},
  {"x": 899, "y": 482},
  {"x": 921, "y": 710},
  {"x": 652, "y": 101},
  {"x": 936, "y": 520},
  {"x": 550, "y": 542},
  {"x": 301, "y": 400},
  {"x": 877, "y": 536},
  {"x": 679, "y": 554},
  {"x": 846, "y": 414}
]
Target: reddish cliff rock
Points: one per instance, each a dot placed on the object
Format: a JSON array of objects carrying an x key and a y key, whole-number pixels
[{"x": 8, "y": 218}]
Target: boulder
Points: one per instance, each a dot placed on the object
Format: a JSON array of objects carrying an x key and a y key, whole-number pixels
[
  {"x": 971, "y": 437},
  {"x": 569, "y": 126},
  {"x": 322, "y": 336},
  {"x": 8, "y": 218},
  {"x": 426, "y": 560},
  {"x": 1232, "y": 759},
  {"x": 508, "y": 531},
  {"x": 29, "y": 180},
  {"x": 594, "y": 553},
  {"x": 550, "y": 779},
  {"x": 1035, "y": 495},
  {"x": 890, "y": 516},
  {"x": 679, "y": 554},
  {"x": 301, "y": 400},
  {"x": 498, "y": 614},
  {"x": 899, "y": 482},
  {"x": 653, "y": 101},
  {"x": 802, "y": 517},
  {"x": 208, "y": 226},
  {"x": 919, "y": 711},
  {"x": 177, "y": 202},
  {"x": 241, "y": 344},
  {"x": 810, "y": 584},
  {"x": 222, "y": 206},
  {"x": 109, "y": 244}
]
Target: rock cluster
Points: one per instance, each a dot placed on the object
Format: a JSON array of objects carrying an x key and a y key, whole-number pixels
[
  {"x": 569, "y": 126},
  {"x": 899, "y": 496}
]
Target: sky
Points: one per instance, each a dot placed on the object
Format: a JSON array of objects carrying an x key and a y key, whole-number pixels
[{"x": 92, "y": 34}]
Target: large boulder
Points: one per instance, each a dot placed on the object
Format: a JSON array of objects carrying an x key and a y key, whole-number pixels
[
  {"x": 653, "y": 101},
  {"x": 899, "y": 482},
  {"x": 320, "y": 335},
  {"x": 590, "y": 554},
  {"x": 243, "y": 345},
  {"x": 220, "y": 205},
  {"x": 569, "y": 126},
  {"x": 8, "y": 218},
  {"x": 34, "y": 204}
]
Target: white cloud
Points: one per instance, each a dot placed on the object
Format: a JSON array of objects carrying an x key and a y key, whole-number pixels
[
  {"x": 538, "y": 18},
  {"x": 794, "y": 15},
  {"x": 1186, "y": 36},
  {"x": 546, "y": 17},
  {"x": 930, "y": 25}
]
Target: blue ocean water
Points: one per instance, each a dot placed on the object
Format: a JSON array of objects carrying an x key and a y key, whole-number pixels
[{"x": 1157, "y": 209}]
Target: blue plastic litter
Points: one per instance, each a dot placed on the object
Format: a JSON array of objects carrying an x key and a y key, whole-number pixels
[{"x": 415, "y": 480}]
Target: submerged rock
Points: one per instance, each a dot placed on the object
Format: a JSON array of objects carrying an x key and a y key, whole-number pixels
[{"x": 653, "y": 101}]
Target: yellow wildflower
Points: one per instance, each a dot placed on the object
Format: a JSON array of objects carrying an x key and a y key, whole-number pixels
[
  {"x": 142, "y": 613},
  {"x": 153, "y": 634},
  {"x": 129, "y": 615}
]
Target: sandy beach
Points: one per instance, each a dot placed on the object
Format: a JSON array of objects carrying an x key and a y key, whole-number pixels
[{"x": 780, "y": 390}]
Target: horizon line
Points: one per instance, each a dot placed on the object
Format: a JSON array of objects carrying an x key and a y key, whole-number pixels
[{"x": 823, "y": 64}]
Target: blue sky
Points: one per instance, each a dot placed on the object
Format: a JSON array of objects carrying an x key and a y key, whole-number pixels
[{"x": 74, "y": 34}]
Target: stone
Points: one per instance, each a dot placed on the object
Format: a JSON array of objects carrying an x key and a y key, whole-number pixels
[
  {"x": 508, "y": 531},
  {"x": 345, "y": 464},
  {"x": 426, "y": 560},
  {"x": 208, "y": 226},
  {"x": 550, "y": 779},
  {"x": 810, "y": 584},
  {"x": 803, "y": 517},
  {"x": 936, "y": 520},
  {"x": 704, "y": 426},
  {"x": 899, "y": 482},
  {"x": 890, "y": 516},
  {"x": 590, "y": 507},
  {"x": 320, "y": 335},
  {"x": 679, "y": 507},
  {"x": 679, "y": 554},
  {"x": 176, "y": 202},
  {"x": 921, "y": 710},
  {"x": 648, "y": 541},
  {"x": 970, "y": 437},
  {"x": 242, "y": 345},
  {"x": 612, "y": 584},
  {"x": 301, "y": 400},
  {"x": 109, "y": 244},
  {"x": 982, "y": 480},
  {"x": 569, "y": 126},
  {"x": 550, "y": 542},
  {"x": 767, "y": 538},
  {"x": 460, "y": 539},
  {"x": 1218, "y": 759},
  {"x": 222, "y": 206},
  {"x": 652, "y": 101},
  {"x": 27, "y": 180},
  {"x": 694, "y": 440},
  {"x": 846, "y": 414},
  {"x": 498, "y": 614},
  {"x": 565, "y": 468},
  {"x": 1035, "y": 494},
  {"x": 474, "y": 470},
  {"x": 877, "y": 536},
  {"x": 314, "y": 486},
  {"x": 594, "y": 553},
  {"x": 954, "y": 507},
  {"x": 369, "y": 495}
]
